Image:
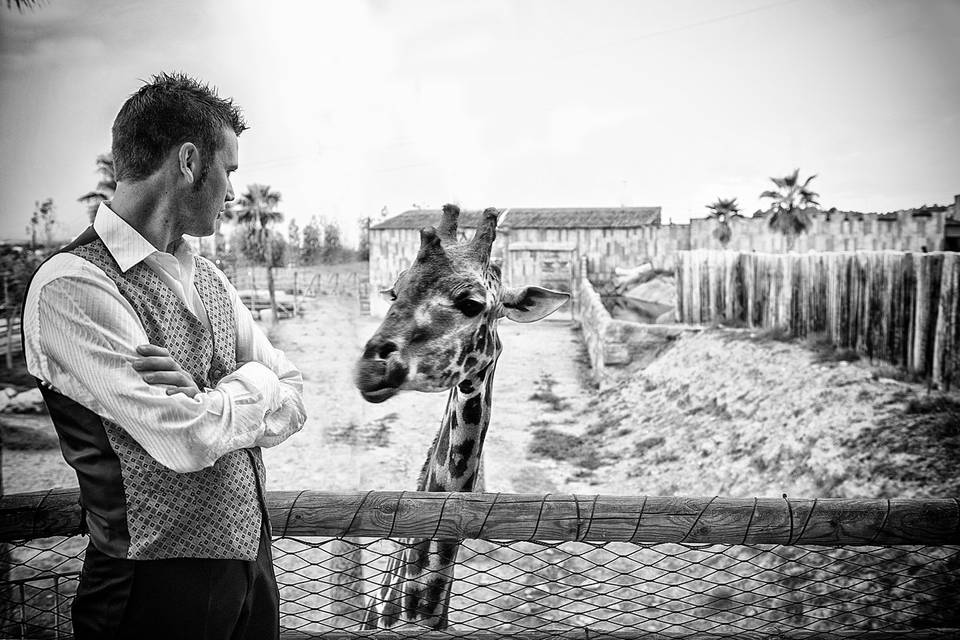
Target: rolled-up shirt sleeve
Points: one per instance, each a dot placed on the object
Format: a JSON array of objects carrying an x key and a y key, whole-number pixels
[
  {"x": 81, "y": 337},
  {"x": 253, "y": 348}
]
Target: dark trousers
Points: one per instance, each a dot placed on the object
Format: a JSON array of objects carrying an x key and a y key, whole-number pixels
[{"x": 177, "y": 599}]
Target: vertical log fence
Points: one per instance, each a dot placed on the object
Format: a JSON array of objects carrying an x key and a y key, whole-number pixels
[{"x": 898, "y": 307}]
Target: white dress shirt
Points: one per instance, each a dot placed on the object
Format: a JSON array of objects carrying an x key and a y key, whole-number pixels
[{"x": 81, "y": 336}]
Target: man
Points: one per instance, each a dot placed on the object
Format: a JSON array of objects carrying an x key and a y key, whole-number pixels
[{"x": 162, "y": 388}]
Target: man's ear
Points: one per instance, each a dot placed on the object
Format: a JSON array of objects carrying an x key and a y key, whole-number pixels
[
  {"x": 529, "y": 304},
  {"x": 189, "y": 159}
]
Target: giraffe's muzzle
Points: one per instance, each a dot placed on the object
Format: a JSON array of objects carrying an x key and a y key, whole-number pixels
[
  {"x": 377, "y": 377},
  {"x": 379, "y": 395}
]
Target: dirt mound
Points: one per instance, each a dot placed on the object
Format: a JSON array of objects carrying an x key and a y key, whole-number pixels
[{"x": 734, "y": 413}]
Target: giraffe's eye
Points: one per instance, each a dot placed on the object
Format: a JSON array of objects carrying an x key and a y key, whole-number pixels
[
  {"x": 389, "y": 295},
  {"x": 469, "y": 307}
]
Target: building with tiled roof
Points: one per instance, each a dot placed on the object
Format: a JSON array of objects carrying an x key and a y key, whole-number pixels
[
  {"x": 542, "y": 245},
  {"x": 529, "y": 240},
  {"x": 545, "y": 218}
]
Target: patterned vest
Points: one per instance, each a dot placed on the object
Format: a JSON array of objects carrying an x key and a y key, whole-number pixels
[{"x": 135, "y": 507}]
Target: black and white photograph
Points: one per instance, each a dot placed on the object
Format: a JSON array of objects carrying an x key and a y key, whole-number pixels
[{"x": 479, "y": 319}]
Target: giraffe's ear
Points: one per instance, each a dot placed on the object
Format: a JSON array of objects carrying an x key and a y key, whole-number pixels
[{"x": 529, "y": 304}]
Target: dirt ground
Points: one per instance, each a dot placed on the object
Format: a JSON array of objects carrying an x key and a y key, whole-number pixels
[
  {"x": 351, "y": 445},
  {"x": 729, "y": 412}
]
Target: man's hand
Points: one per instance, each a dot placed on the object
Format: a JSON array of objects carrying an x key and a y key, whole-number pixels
[{"x": 157, "y": 367}]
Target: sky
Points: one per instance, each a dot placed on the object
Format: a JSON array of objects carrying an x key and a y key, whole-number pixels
[{"x": 360, "y": 106}]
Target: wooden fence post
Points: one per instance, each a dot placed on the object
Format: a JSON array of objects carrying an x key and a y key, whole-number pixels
[
  {"x": 296, "y": 295},
  {"x": 945, "y": 330},
  {"x": 7, "y": 606},
  {"x": 346, "y": 568},
  {"x": 254, "y": 296},
  {"x": 11, "y": 309}
]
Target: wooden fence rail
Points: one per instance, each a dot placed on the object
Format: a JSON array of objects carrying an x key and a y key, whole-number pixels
[
  {"x": 903, "y": 308},
  {"x": 489, "y": 516}
]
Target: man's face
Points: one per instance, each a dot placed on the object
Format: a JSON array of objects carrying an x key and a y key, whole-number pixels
[{"x": 212, "y": 189}]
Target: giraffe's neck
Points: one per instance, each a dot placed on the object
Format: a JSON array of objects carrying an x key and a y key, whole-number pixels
[
  {"x": 418, "y": 581},
  {"x": 453, "y": 463}
]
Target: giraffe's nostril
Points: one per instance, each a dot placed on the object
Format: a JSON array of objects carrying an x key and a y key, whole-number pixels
[
  {"x": 384, "y": 351},
  {"x": 377, "y": 350}
]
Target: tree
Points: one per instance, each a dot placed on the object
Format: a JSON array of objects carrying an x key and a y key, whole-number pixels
[
  {"x": 790, "y": 200},
  {"x": 17, "y": 265},
  {"x": 293, "y": 239},
  {"x": 106, "y": 186},
  {"x": 247, "y": 245},
  {"x": 42, "y": 221},
  {"x": 332, "y": 245},
  {"x": 22, "y": 4},
  {"x": 256, "y": 212},
  {"x": 363, "y": 246},
  {"x": 722, "y": 210},
  {"x": 312, "y": 246}
]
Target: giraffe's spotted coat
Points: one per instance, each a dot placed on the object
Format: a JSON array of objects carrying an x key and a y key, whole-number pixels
[{"x": 441, "y": 334}]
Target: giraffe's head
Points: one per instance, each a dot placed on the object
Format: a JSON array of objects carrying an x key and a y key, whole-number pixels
[{"x": 441, "y": 328}]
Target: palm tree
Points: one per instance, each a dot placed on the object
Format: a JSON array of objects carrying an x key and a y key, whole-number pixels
[
  {"x": 789, "y": 205},
  {"x": 44, "y": 219},
  {"x": 722, "y": 210},
  {"x": 256, "y": 210},
  {"x": 23, "y": 4},
  {"x": 105, "y": 188}
]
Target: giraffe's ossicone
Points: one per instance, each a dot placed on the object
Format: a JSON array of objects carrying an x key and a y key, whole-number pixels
[{"x": 440, "y": 334}]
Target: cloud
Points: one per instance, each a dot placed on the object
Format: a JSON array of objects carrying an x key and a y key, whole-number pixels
[
  {"x": 29, "y": 56},
  {"x": 354, "y": 105}
]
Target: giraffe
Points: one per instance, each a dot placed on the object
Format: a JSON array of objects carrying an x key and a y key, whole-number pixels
[{"x": 441, "y": 334}]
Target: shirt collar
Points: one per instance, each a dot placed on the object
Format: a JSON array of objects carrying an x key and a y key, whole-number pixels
[{"x": 125, "y": 243}]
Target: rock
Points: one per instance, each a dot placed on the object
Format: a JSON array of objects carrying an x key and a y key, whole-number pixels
[
  {"x": 661, "y": 290},
  {"x": 624, "y": 278},
  {"x": 26, "y": 402},
  {"x": 10, "y": 392},
  {"x": 667, "y": 317}
]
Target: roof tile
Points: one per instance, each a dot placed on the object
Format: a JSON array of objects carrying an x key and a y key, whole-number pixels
[{"x": 564, "y": 218}]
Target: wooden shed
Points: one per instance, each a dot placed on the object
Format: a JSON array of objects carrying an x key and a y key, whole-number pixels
[{"x": 548, "y": 242}]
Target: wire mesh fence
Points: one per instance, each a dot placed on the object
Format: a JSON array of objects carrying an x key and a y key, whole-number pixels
[
  {"x": 555, "y": 588},
  {"x": 579, "y": 587}
]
